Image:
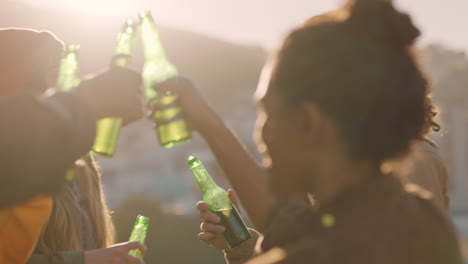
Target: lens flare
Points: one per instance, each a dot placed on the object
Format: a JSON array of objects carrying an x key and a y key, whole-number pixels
[{"x": 101, "y": 7}]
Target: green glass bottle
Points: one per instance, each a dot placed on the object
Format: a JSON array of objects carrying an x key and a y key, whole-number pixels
[
  {"x": 68, "y": 79},
  {"x": 167, "y": 114},
  {"x": 108, "y": 129},
  {"x": 139, "y": 234},
  {"x": 220, "y": 204}
]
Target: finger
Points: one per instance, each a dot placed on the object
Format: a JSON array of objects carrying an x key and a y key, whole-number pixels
[
  {"x": 233, "y": 197},
  {"x": 206, "y": 237},
  {"x": 178, "y": 85},
  {"x": 135, "y": 245},
  {"x": 80, "y": 165},
  {"x": 202, "y": 206},
  {"x": 209, "y": 227},
  {"x": 210, "y": 217},
  {"x": 171, "y": 84}
]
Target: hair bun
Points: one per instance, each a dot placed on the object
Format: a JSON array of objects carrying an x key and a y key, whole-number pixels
[{"x": 387, "y": 23}]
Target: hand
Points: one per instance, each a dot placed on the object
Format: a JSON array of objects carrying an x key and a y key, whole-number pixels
[
  {"x": 116, "y": 254},
  {"x": 114, "y": 93},
  {"x": 196, "y": 110},
  {"x": 211, "y": 230}
]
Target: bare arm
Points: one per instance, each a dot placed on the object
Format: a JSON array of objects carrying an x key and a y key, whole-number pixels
[
  {"x": 243, "y": 172},
  {"x": 59, "y": 257}
]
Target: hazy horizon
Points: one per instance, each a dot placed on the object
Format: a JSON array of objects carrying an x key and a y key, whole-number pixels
[{"x": 265, "y": 22}]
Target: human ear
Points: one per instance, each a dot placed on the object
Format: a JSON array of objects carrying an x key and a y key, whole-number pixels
[{"x": 313, "y": 124}]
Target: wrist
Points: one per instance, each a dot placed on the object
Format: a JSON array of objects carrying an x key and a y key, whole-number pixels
[
  {"x": 229, "y": 250},
  {"x": 244, "y": 251}
]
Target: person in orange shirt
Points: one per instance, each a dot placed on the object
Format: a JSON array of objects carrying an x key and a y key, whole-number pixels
[{"x": 36, "y": 144}]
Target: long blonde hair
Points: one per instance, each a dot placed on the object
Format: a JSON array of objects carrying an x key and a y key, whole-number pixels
[{"x": 63, "y": 231}]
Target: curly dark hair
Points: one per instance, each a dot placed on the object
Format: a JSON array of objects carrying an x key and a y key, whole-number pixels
[{"x": 356, "y": 63}]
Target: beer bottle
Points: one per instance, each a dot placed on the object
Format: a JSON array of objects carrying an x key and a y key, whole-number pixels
[
  {"x": 68, "y": 79},
  {"x": 167, "y": 114},
  {"x": 218, "y": 202},
  {"x": 139, "y": 234},
  {"x": 108, "y": 129}
]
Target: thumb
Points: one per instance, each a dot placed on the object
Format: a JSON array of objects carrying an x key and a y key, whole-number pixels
[
  {"x": 135, "y": 245},
  {"x": 171, "y": 84},
  {"x": 233, "y": 197}
]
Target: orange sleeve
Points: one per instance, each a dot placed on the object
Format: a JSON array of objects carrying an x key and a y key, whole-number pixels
[{"x": 20, "y": 227}]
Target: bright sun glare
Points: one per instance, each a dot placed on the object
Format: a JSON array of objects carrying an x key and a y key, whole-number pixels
[{"x": 101, "y": 7}]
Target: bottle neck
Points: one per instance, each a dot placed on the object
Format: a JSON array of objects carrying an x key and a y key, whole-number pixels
[
  {"x": 155, "y": 54},
  {"x": 123, "y": 51},
  {"x": 152, "y": 45},
  {"x": 204, "y": 180}
]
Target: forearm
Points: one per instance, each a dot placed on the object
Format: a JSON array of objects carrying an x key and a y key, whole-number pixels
[
  {"x": 72, "y": 257},
  {"x": 40, "y": 141},
  {"x": 244, "y": 173},
  {"x": 245, "y": 251}
]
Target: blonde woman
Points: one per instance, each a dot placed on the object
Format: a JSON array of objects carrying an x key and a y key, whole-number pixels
[{"x": 80, "y": 228}]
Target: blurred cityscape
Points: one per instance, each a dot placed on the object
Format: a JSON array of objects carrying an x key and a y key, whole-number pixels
[
  {"x": 448, "y": 73},
  {"x": 145, "y": 178}
]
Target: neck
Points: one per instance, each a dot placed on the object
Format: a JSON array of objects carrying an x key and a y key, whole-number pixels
[{"x": 336, "y": 175}]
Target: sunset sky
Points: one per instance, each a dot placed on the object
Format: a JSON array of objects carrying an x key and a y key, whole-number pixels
[{"x": 265, "y": 22}]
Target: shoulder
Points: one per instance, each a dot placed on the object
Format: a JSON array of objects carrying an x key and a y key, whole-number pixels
[
  {"x": 424, "y": 228},
  {"x": 427, "y": 149}
]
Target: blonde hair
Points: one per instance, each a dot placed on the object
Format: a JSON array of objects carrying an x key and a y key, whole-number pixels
[{"x": 63, "y": 231}]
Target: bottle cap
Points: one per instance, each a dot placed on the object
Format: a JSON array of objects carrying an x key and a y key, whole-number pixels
[
  {"x": 145, "y": 13},
  {"x": 72, "y": 48},
  {"x": 143, "y": 218},
  {"x": 193, "y": 161}
]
